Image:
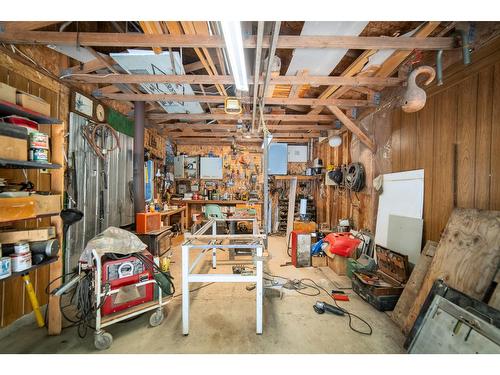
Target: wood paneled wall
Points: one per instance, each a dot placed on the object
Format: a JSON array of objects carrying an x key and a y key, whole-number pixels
[
  {"x": 455, "y": 138},
  {"x": 334, "y": 203}
]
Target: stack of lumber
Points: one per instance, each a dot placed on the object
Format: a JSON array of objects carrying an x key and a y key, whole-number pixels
[{"x": 467, "y": 258}]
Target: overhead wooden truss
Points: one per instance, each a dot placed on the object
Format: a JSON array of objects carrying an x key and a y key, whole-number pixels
[
  {"x": 126, "y": 40},
  {"x": 200, "y": 36}
]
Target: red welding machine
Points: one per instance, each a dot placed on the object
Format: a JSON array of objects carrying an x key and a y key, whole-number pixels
[
  {"x": 301, "y": 248},
  {"x": 123, "y": 274}
]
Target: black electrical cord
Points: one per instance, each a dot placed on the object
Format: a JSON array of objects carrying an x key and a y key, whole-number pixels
[{"x": 318, "y": 288}]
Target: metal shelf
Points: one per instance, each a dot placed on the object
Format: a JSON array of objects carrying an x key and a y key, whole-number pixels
[
  {"x": 32, "y": 268},
  {"x": 8, "y": 109},
  {"x": 16, "y": 164}
]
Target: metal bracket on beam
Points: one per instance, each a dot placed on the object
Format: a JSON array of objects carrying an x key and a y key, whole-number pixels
[{"x": 97, "y": 93}]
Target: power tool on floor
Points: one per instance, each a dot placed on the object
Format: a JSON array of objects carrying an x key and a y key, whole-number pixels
[{"x": 321, "y": 307}]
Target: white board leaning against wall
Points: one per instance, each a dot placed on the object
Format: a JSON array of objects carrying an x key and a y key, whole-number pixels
[{"x": 402, "y": 196}]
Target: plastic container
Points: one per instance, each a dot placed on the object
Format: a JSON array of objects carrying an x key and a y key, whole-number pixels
[
  {"x": 16, "y": 208},
  {"x": 40, "y": 155},
  {"x": 147, "y": 222},
  {"x": 5, "y": 267}
]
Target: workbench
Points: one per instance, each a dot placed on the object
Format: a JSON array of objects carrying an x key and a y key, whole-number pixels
[
  {"x": 201, "y": 202},
  {"x": 165, "y": 215}
]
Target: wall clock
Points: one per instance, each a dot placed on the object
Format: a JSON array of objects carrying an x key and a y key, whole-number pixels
[{"x": 100, "y": 113}]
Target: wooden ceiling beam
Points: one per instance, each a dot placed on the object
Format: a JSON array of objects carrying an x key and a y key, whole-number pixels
[
  {"x": 227, "y": 79},
  {"x": 244, "y": 117},
  {"x": 284, "y": 127},
  {"x": 219, "y": 134},
  {"x": 353, "y": 127},
  {"x": 15, "y": 26},
  {"x": 214, "y": 41},
  {"x": 89, "y": 67},
  {"x": 346, "y": 103}
]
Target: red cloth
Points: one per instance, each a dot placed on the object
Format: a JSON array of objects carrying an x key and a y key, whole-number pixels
[{"x": 342, "y": 244}]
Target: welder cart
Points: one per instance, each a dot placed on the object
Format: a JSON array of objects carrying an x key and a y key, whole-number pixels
[{"x": 102, "y": 339}]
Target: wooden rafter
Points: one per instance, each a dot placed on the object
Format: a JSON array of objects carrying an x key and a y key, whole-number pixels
[
  {"x": 353, "y": 127},
  {"x": 220, "y": 99},
  {"x": 232, "y": 126},
  {"x": 227, "y": 79},
  {"x": 214, "y": 41},
  {"x": 196, "y": 117},
  {"x": 15, "y": 26}
]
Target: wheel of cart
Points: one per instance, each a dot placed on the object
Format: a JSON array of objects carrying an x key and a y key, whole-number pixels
[{"x": 102, "y": 339}]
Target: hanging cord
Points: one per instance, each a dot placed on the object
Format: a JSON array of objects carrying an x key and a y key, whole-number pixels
[
  {"x": 319, "y": 288},
  {"x": 90, "y": 132}
]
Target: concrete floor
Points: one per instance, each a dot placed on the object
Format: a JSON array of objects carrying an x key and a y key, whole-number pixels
[{"x": 223, "y": 321}]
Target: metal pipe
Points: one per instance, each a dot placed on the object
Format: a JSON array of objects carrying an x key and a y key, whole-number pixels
[
  {"x": 139, "y": 116},
  {"x": 265, "y": 171},
  {"x": 465, "y": 45},
  {"x": 258, "y": 55},
  {"x": 272, "y": 51},
  {"x": 65, "y": 25},
  {"x": 439, "y": 67}
]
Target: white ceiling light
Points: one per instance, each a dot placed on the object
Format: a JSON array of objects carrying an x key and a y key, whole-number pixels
[
  {"x": 335, "y": 141},
  {"x": 234, "y": 45}
]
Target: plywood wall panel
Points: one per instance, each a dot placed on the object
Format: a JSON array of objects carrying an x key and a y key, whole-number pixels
[
  {"x": 495, "y": 143},
  {"x": 408, "y": 136},
  {"x": 483, "y": 138},
  {"x": 425, "y": 157},
  {"x": 396, "y": 140},
  {"x": 466, "y": 142},
  {"x": 443, "y": 166}
]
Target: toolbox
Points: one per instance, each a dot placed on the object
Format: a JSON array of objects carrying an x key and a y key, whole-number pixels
[{"x": 382, "y": 287}]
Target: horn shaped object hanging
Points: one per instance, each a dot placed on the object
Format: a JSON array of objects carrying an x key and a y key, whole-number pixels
[{"x": 415, "y": 97}]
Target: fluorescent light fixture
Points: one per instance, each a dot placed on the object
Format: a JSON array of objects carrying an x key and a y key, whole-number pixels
[{"x": 234, "y": 45}]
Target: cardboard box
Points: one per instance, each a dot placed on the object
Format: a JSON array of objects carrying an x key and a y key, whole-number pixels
[
  {"x": 33, "y": 102},
  {"x": 319, "y": 261},
  {"x": 338, "y": 264},
  {"x": 306, "y": 226},
  {"x": 7, "y": 93},
  {"x": 40, "y": 234},
  {"x": 47, "y": 204},
  {"x": 13, "y": 148}
]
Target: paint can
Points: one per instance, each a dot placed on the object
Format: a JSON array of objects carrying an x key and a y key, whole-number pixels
[
  {"x": 39, "y": 140},
  {"x": 20, "y": 262},
  {"x": 5, "y": 267},
  {"x": 21, "y": 247},
  {"x": 40, "y": 155}
]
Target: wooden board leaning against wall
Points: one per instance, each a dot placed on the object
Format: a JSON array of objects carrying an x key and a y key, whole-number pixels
[{"x": 14, "y": 300}]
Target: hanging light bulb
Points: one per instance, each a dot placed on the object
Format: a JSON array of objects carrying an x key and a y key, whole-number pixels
[{"x": 335, "y": 141}]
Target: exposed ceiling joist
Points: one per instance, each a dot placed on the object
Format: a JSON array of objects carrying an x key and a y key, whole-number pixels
[
  {"x": 15, "y": 26},
  {"x": 227, "y": 79},
  {"x": 213, "y": 41},
  {"x": 220, "y": 99},
  {"x": 89, "y": 67},
  {"x": 211, "y": 134},
  {"x": 245, "y": 117},
  {"x": 279, "y": 127}
]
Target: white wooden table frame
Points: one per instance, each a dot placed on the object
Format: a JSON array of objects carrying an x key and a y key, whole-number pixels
[{"x": 213, "y": 241}]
